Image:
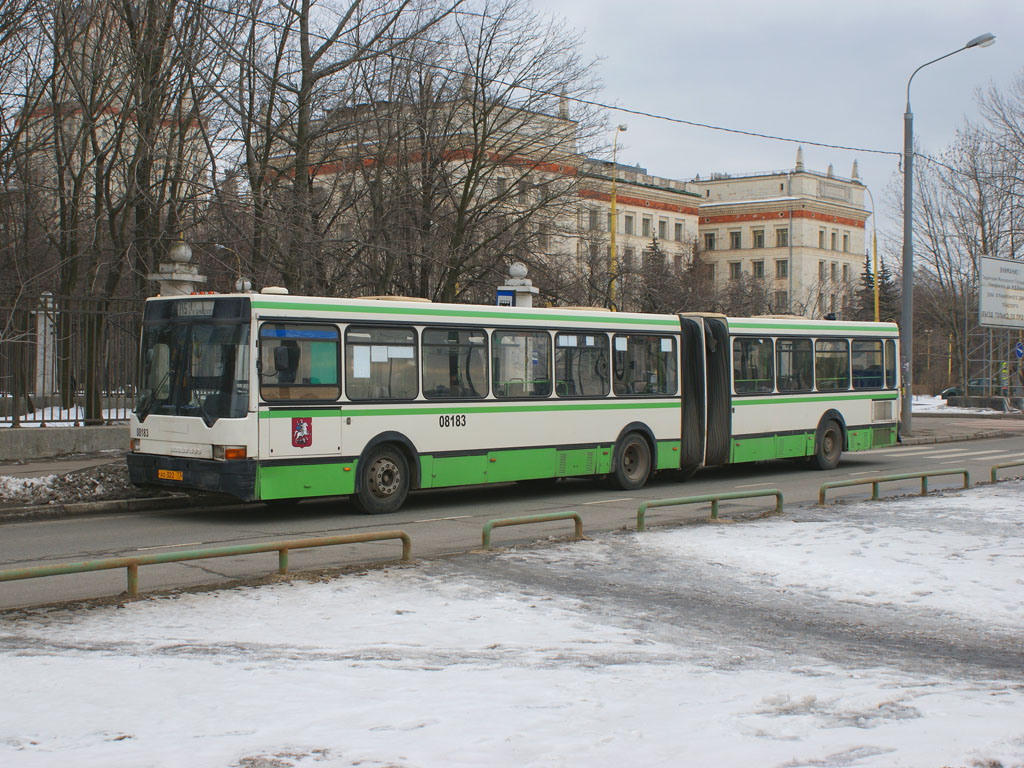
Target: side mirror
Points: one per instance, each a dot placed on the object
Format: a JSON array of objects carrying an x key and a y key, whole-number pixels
[{"x": 281, "y": 358}]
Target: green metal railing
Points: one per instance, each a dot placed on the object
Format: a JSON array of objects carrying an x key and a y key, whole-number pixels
[
  {"x": 714, "y": 498},
  {"x": 532, "y": 519},
  {"x": 874, "y": 482},
  {"x": 997, "y": 467},
  {"x": 132, "y": 563}
]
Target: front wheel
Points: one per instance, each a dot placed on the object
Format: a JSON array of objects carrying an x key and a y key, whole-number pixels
[
  {"x": 384, "y": 482},
  {"x": 829, "y": 446},
  {"x": 633, "y": 465}
]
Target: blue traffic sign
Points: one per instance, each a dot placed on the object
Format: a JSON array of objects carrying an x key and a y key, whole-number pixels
[{"x": 1019, "y": 350}]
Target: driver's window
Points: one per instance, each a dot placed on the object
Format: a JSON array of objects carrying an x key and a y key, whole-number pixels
[{"x": 299, "y": 362}]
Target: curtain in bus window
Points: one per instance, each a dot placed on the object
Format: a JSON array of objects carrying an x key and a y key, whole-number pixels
[
  {"x": 644, "y": 365},
  {"x": 299, "y": 362},
  {"x": 831, "y": 364},
  {"x": 380, "y": 363},
  {"x": 866, "y": 364},
  {"x": 890, "y": 364},
  {"x": 581, "y": 365},
  {"x": 454, "y": 363},
  {"x": 521, "y": 363},
  {"x": 794, "y": 365},
  {"x": 753, "y": 369}
]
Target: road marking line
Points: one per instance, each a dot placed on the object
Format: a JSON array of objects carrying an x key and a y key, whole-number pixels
[
  {"x": 861, "y": 473},
  {"x": 606, "y": 501},
  {"x": 982, "y": 453},
  {"x": 170, "y": 546},
  {"x": 752, "y": 485},
  {"x": 438, "y": 519}
]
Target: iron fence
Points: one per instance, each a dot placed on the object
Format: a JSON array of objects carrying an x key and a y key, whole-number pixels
[{"x": 67, "y": 361}]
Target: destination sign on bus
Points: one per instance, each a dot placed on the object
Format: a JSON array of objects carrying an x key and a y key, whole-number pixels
[{"x": 196, "y": 308}]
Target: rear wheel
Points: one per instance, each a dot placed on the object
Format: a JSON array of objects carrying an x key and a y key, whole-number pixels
[
  {"x": 828, "y": 446},
  {"x": 384, "y": 481},
  {"x": 633, "y": 465}
]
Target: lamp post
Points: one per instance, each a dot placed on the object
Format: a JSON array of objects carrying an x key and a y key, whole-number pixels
[
  {"x": 611, "y": 253},
  {"x": 907, "y": 313},
  {"x": 874, "y": 248}
]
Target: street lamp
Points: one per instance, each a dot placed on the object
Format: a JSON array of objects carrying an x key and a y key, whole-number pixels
[
  {"x": 611, "y": 253},
  {"x": 907, "y": 313}
]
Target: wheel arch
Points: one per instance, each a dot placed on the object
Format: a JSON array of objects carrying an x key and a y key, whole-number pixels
[
  {"x": 648, "y": 435},
  {"x": 404, "y": 444},
  {"x": 830, "y": 415}
]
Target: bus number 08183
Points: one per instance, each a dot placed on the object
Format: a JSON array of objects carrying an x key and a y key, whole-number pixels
[{"x": 458, "y": 420}]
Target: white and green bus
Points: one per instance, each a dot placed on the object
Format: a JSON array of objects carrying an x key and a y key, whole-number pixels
[{"x": 273, "y": 397}]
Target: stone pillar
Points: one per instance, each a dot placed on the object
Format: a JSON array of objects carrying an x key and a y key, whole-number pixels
[
  {"x": 176, "y": 276},
  {"x": 518, "y": 290}
]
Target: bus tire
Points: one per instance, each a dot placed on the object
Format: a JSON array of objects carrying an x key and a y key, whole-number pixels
[
  {"x": 383, "y": 483},
  {"x": 632, "y": 463},
  {"x": 828, "y": 445}
]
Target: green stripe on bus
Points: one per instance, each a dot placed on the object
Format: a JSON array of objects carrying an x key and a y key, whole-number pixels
[
  {"x": 352, "y": 409},
  {"x": 610, "y": 319},
  {"x": 833, "y": 396}
]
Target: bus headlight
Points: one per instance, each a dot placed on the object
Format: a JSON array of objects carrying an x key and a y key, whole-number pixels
[
  {"x": 228, "y": 452},
  {"x": 135, "y": 445}
]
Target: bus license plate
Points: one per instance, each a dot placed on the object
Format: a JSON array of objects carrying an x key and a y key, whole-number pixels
[{"x": 170, "y": 474}]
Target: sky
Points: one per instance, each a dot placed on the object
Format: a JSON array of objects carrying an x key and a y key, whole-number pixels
[
  {"x": 667, "y": 648},
  {"x": 827, "y": 71}
]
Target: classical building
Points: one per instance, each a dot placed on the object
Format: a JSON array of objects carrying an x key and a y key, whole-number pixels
[{"x": 801, "y": 232}]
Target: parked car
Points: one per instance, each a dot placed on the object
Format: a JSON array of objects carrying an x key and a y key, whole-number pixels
[{"x": 974, "y": 387}]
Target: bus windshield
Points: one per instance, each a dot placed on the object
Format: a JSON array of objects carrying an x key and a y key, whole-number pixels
[{"x": 194, "y": 369}]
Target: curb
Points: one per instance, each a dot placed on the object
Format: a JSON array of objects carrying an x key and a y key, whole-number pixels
[
  {"x": 953, "y": 438},
  {"x": 116, "y": 506}
]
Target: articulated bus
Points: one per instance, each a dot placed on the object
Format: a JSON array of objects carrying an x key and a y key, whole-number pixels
[{"x": 276, "y": 397}]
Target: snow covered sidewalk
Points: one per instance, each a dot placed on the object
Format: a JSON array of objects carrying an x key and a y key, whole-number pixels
[{"x": 877, "y": 634}]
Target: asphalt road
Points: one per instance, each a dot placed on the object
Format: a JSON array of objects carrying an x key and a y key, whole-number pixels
[{"x": 439, "y": 522}]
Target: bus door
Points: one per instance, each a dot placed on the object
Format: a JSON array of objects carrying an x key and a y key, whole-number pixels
[
  {"x": 707, "y": 398},
  {"x": 299, "y": 415}
]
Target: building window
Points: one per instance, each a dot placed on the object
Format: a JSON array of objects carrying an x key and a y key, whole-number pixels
[
  {"x": 781, "y": 269},
  {"x": 835, "y": 241},
  {"x": 758, "y": 238},
  {"x": 846, "y": 243},
  {"x": 821, "y": 270},
  {"x": 502, "y": 185},
  {"x": 595, "y": 220},
  {"x": 758, "y": 269},
  {"x": 781, "y": 238},
  {"x": 610, "y": 222},
  {"x": 781, "y": 301},
  {"x": 524, "y": 191},
  {"x": 709, "y": 241},
  {"x": 645, "y": 227},
  {"x": 846, "y": 273},
  {"x": 542, "y": 238},
  {"x": 821, "y": 239},
  {"x": 628, "y": 254},
  {"x": 835, "y": 272},
  {"x": 735, "y": 270},
  {"x": 712, "y": 271},
  {"x": 679, "y": 231},
  {"x": 663, "y": 229},
  {"x": 735, "y": 240},
  {"x": 628, "y": 226}
]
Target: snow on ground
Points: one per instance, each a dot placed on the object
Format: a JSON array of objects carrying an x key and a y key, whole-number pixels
[
  {"x": 876, "y": 634},
  {"x": 937, "y": 405}
]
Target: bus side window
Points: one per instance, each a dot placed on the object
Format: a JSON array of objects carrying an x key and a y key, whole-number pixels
[
  {"x": 794, "y": 363},
  {"x": 299, "y": 362}
]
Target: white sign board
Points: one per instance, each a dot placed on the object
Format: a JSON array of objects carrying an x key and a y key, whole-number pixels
[{"x": 1001, "y": 303}]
